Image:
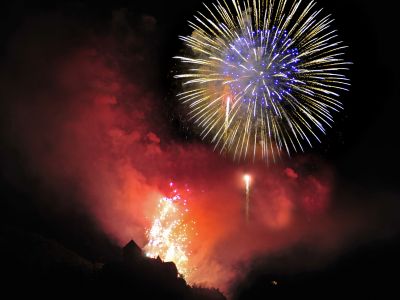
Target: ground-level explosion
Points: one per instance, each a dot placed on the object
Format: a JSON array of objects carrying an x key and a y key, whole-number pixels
[{"x": 170, "y": 230}]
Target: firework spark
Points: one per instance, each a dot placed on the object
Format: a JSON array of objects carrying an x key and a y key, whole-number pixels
[
  {"x": 169, "y": 234},
  {"x": 262, "y": 76}
]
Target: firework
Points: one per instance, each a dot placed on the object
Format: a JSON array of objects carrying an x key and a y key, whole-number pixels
[
  {"x": 262, "y": 76},
  {"x": 247, "y": 179},
  {"x": 169, "y": 234}
]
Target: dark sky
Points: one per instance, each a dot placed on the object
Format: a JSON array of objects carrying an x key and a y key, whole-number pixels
[
  {"x": 363, "y": 143},
  {"x": 363, "y": 140},
  {"x": 362, "y": 148}
]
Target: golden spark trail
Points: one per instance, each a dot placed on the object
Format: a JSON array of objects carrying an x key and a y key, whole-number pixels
[{"x": 228, "y": 100}]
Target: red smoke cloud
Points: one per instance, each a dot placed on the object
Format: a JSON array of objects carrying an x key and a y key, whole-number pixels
[{"x": 102, "y": 130}]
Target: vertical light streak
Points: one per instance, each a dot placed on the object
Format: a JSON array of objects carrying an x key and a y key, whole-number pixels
[
  {"x": 227, "y": 111},
  {"x": 247, "y": 180}
]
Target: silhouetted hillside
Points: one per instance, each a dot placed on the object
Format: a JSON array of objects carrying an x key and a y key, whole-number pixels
[{"x": 37, "y": 266}]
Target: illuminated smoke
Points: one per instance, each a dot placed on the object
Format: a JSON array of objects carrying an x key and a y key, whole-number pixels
[{"x": 104, "y": 141}]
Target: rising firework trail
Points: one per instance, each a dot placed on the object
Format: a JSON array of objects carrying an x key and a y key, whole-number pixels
[
  {"x": 227, "y": 110},
  {"x": 262, "y": 76},
  {"x": 247, "y": 180}
]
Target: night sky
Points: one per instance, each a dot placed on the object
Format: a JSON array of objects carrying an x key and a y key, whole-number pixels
[{"x": 91, "y": 132}]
